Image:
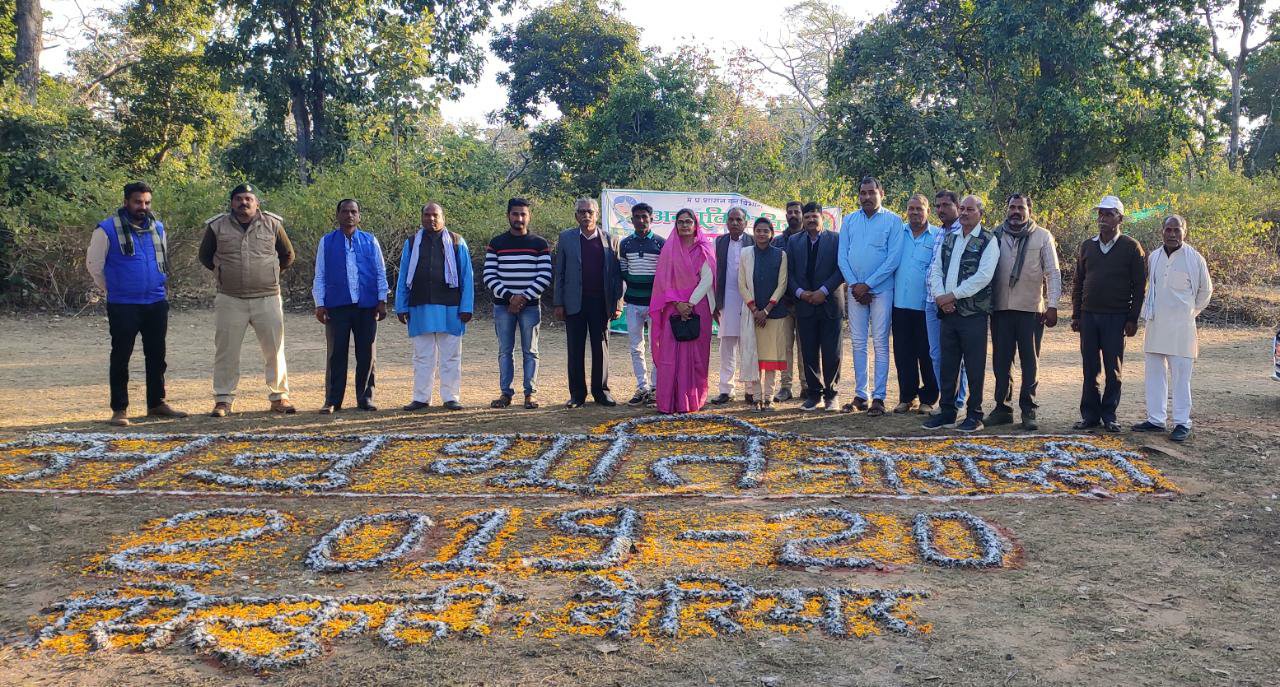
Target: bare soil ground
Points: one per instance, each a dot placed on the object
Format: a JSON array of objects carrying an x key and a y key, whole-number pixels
[{"x": 1142, "y": 591}]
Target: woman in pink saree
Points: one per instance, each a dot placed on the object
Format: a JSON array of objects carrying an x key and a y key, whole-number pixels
[{"x": 683, "y": 286}]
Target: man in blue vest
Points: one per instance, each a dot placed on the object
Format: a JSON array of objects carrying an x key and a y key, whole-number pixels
[
  {"x": 350, "y": 290},
  {"x": 127, "y": 259}
]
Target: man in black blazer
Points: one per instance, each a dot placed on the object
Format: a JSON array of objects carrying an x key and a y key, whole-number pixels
[
  {"x": 814, "y": 278},
  {"x": 588, "y": 294}
]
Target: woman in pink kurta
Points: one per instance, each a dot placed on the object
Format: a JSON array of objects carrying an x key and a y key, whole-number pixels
[{"x": 684, "y": 285}]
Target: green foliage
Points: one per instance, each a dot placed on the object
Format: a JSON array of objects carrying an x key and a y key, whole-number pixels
[{"x": 569, "y": 53}]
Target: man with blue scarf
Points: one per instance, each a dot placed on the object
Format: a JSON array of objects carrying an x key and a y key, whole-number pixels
[
  {"x": 127, "y": 260},
  {"x": 350, "y": 290}
]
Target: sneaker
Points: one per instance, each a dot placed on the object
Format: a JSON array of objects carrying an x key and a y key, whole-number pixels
[
  {"x": 938, "y": 422},
  {"x": 1147, "y": 426},
  {"x": 720, "y": 400},
  {"x": 639, "y": 398},
  {"x": 810, "y": 404},
  {"x": 1000, "y": 416},
  {"x": 970, "y": 424},
  {"x": 783, "y": 395},
  {"x": 1180, "y": 433},
  {"x": 831, "y": 405}
]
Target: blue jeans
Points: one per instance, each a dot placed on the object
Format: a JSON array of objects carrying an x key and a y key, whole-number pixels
[
  {"x": 935, "y": 352},
  {"x": 505, "y": 325}
]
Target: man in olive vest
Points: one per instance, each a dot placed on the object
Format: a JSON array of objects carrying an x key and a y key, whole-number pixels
[
  {"x": 246, "y": 249},
  {"x": 961, "y": 279},
  {"x": 128, "y": 261},
  {"x": 1025, "y": 294}
]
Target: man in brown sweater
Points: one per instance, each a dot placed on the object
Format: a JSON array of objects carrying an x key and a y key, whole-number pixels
[
  {"x": 246, "y": 249},
  {"x": 1106, "y": 299}
]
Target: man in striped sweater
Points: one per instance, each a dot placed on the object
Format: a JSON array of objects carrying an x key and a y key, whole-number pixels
[
  {"x": 517, "y": 269},
  {"x": 638, "y": 255}
]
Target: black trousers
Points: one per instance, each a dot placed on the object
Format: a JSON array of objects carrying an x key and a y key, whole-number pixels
[
  {"x": 126, "y": 321},
  {"x": 345, "y": 323},
  {"x": 1102, "y": 350},
  {"x": 820, "y": 349},
  {"x": 592, "y": 322},
  {"x": 963, "y": 338},
  {"x": 1016, "y": 331},
  {"x": 911, "y": 357}
]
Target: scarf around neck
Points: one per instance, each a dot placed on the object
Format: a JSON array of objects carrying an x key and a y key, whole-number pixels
[{"x": 450, "y": 259}]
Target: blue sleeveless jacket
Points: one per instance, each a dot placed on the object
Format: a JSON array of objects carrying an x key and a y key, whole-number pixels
[
  {"x": 133, "y": 279},
  {"x": 337, "y": 291}
]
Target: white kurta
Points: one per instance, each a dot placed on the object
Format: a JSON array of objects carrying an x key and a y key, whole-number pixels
[
  {"x": 1178, "y": 288},
  {"x": 730, "y": 325}
]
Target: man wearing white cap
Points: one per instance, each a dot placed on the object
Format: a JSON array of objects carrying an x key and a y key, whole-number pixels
[
  {"x": 1178, "y": 288},
  {"x": 1106, "y": 299}
]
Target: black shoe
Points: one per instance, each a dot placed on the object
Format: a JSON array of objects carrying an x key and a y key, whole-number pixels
[
  {"x": 1085, "y": 424},
  {"x": 831, "y": 404},
  {"x": 1029, "y": 421},
  {"x": 749, "y": 399},
  {"x": 810, "y": 404},
  {"x": 606, "y": 401},
  {"x": 1147, "y": 426},
  {"x": 720, "y": 400},
  {"x": 970, "y": 424},
  {"x": 574, "y": 403},
  {"x": 638, "y": 399},
  {"x": 452, "y": 405},
  {"x": 369, "y": 407},
  {"x": 1000, "y": 416},
  {"x": 1180, "y": 433},
  {"x": 1113, "y": 426},
  {"x": 783, "y": 395},
  {"x": 415, "y": 405},
  {"x": 939, "y": 421}
]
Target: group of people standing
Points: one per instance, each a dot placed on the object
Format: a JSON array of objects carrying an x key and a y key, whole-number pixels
[{"x": 941, "y": 293}]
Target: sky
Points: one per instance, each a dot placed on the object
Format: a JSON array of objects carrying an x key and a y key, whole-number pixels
[{"x": 721, "y": 26}]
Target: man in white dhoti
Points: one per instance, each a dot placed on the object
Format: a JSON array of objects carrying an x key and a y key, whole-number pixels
[
  {"x": 729, "y": 305},
  {"x": 1178, "y": 288}
]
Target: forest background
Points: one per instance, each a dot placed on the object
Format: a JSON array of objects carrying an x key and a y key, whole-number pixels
[{"x": 1168, "y": 104}]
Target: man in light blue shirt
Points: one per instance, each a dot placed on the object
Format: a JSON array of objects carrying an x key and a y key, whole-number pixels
[
  {"x": 947, "y": 205},
  {"x": 350, "y": 291},
  {"x": 870, "y": 249},
  {"x": 917, "y": 381}
]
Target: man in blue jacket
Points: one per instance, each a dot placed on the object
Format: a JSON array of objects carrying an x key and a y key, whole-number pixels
[
  {"x": 127, "y": 259},
  {"x": 350, "y": 291}
]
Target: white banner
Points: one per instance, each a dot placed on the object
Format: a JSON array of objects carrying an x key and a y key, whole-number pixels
[{"x": 711, "y": 208}]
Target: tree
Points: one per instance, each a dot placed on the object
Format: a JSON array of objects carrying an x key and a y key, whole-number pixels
[
  {"x": 29, "y": 22},
  {"x": 1260, "y": 100},
  {"x": 1024, "y": 95},
  {"x": 568, "y": 53},
  {"x": 326, "y": 63},
  {"x": 1250, "y": 18}
]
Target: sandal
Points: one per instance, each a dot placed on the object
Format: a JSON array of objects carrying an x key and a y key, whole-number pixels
[
  {"x": 531, "y": 401},
  {"x": 503, "y": 401}
]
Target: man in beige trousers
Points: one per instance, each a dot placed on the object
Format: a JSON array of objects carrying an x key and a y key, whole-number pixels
[{"x": 246, "y": 249}]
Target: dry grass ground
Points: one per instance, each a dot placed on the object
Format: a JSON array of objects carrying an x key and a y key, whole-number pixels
[{"x": 1145, "y": 591}]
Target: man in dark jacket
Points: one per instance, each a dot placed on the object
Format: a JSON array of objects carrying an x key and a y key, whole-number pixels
[
  {"x": 588, "y": 294},
  {"x": 814, "y": 278}
]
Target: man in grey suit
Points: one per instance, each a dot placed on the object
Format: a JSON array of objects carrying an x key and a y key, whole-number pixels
[
  {"x": 814, "y": 278},
  {"x": 588, "y": 294}
]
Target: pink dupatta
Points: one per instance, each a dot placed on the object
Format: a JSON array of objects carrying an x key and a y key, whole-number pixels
[{"x": 682, "y": 377}]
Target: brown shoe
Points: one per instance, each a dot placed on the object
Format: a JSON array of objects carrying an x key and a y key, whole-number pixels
[
  {"x": 503, "y": 401},
  {"x": 283, "y": 406},
  {"x": 221, "y": 409},
  {"x": 531, "y": 401},
  {"x": 858, "y": 404},
  {"x": 877, "y": 408},
  {"x": 904, "y": 407},
  {"x": 164, "y": 410},
  {"x": 119, "y": 418}
]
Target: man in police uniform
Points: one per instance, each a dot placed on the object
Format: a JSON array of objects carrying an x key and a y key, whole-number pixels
[{"x": 246, "y": 249}]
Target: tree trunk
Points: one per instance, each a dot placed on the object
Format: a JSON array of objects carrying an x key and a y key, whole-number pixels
[{"x": 29, "y": 21}]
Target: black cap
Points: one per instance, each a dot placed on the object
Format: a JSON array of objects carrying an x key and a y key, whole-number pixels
[{"x": 244, "y": 188}]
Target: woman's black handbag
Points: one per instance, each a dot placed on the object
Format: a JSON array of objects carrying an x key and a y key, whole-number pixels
[{"x": 686, "y": 330}]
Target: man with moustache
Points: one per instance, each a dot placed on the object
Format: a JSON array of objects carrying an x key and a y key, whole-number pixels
[
  {"x": 814, "y": 278},
  {"x": 588, "y": 295},
  {"x": 729, "y": 302},
  {"x": 638, "y": 259},
  {"x": 947, "y": 205},
  {"x": 917, "y": 382},
  {"x": 1025, "y": 295}
]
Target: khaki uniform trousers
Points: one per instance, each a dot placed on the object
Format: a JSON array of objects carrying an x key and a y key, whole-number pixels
[{"x": 231, "y": 317}]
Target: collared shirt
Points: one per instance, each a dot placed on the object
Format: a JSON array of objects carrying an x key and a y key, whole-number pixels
[
  {"x": 353, "y": 272},
  {"x": 950, "y": 282},
  {"x": 910, "y": 282},
  {"x": 813, "y": 241},
  {"x": 870, "y": 248},
  {"x": 1106, "y": 247},
  {"x": 937, "y": 253}
]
